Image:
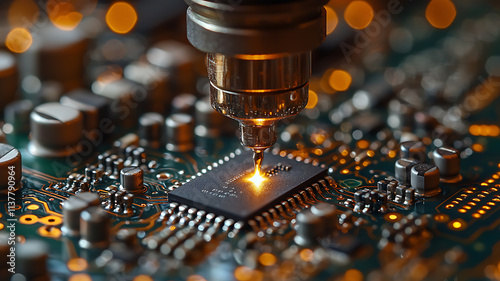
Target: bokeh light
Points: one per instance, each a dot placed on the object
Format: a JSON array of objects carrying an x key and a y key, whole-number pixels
[
  {"x": 313, "y": 100},
  {"x": 22, "y": 13},
  {"x": 63, "y": 14},
  {"x": 331, "y": 19},
  {"x": 359, "y": 14},
  {"x": 121, "y": 17},
  {"x": 340, "y": 80},
  {"x": 18, "y": 40},
  {"x": 440, "y": 13}
]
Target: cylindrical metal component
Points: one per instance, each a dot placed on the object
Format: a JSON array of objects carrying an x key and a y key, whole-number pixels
[
  {"x": 270, "y": 88},
  {"x": 403, "y": 169},
  {"x": 94, "y": 228},
  {"x": 126, "y": 99},
  {"x": 259, "y": 58},
  {"x": 11, "y": 170},
  {"x": 139, "y": 155},
  {"x": 425, "y": 179},
  {"x": 17, "y": 114},
  {"x": 448, "y": 161},
  {"x": 151, "y": 129},
  {"x": 179, "y": 61},
  {"x": 258, "y": 137},
  {"x": 180, "y": 132},
  {"x": 184, "y": 103},
  {"x": 309, "y": 228},
  {"x": 72, "y": 209},
  {"x": 155, "y": 81},
  {"x": 328, "y": 215},
  {"x": 210, "y": 123},
  {"x": 132, "y": 179},
  {"x": 8, "y": 79},
  {"x": 413, "y": 150},
  {"x": 118, "y": 165},
  {"x": 31, "y": 261},
  {"x": 90, "y": 198},
  {"x": 6, "y": 258},
  {"x": 260, "y": 92},
  {"x": 90, "y": 113},
  {"x": 256, "y": 27},
  {"x": 55, "y": 130},
  {"x": 59, "y": 56}
]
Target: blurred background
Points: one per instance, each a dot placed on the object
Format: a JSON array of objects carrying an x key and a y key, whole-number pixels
[{"x": 51, "y": 47}]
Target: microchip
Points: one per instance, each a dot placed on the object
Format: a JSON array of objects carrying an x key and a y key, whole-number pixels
[{"x": 228, "y": 191}]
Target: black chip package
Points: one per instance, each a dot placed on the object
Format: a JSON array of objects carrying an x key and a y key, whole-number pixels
[{"x": 228, "y": 189}]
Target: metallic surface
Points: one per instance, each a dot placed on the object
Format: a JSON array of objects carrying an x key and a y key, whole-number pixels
[
  {"x": 425, "y": 179},
  {"x": 180, "y": 132},
  {"x": 94, "y": 228},
  {"x": 265, "y": 28},
  {"x": 10, "y": 167},
  {"x": 132, "y": 179},
  {"x": 55, "y": 130},
  {"x": 448, "y": 161},
  {"x": 259, "y": 60}
]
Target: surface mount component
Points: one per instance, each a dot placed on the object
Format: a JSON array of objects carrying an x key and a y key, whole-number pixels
[
  {"x": 95, "y": 110},
  {"x": 425, "y": 179},
  {"x": 448, "y": 161},
  {"x": 413, "y": 150},
  {"x": 230, "y": 190},
  {"x": 8, "y": 79},
  {"x": 94, "y": 228},
  {"x": 403, "y": 169},
  {"x": 55, "y": 130},
  {"x": 132, "y": 179},
  {"x": 10, "y": 167},
  {"x": 31, "y": 263},
  {"x": 151, "y": 129},
  {"x": 180, "y": 132},
  {"x": 17, "y": 114}
]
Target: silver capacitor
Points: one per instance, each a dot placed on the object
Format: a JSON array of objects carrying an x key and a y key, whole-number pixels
[
  {"x": 71, "y": 210},
  {"x": 8, "y": 79},
  {"x": 132, "y": 179},
  {"x": 95, "y": 224},
  {"x": 413, "y": 150},
  {"x": 155, "y": 81},
  {"x": 180, "y": 132},
  {"x": 184, "y": 103},
  {"x": 447, "y": 159},
  {"x": 31, "y": 260},
  {"x": 310, "y": 227},
  {"x": 151, "y": 129},
  {"x": 210, "y": 123},
  {"x": 56, "y": 130},
  {"x": 11, "y": 170},
  {"x": 425, "y": 179},
  {"x": 17, "y": 115},
  {"x": 328, "y": 214}
]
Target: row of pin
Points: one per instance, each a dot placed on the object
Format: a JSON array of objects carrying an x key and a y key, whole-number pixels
[
  {"x": 188, "y": 231},
  {"x": 288, "y": 208},
  {"x": 75, "y": 183}
]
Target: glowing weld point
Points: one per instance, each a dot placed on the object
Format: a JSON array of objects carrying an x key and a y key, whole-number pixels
[{"x": 257, "y": 179}]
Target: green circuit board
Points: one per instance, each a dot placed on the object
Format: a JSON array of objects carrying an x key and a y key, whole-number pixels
[{"x": 340, "y": 151}]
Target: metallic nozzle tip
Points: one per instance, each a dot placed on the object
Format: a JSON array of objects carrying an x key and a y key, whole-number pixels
[
  {"x": 258, "y": 137},
  {"x": 258, "y": 157}
]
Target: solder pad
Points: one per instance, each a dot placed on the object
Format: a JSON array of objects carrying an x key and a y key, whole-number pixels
[{"x": 226, "y": 189}]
